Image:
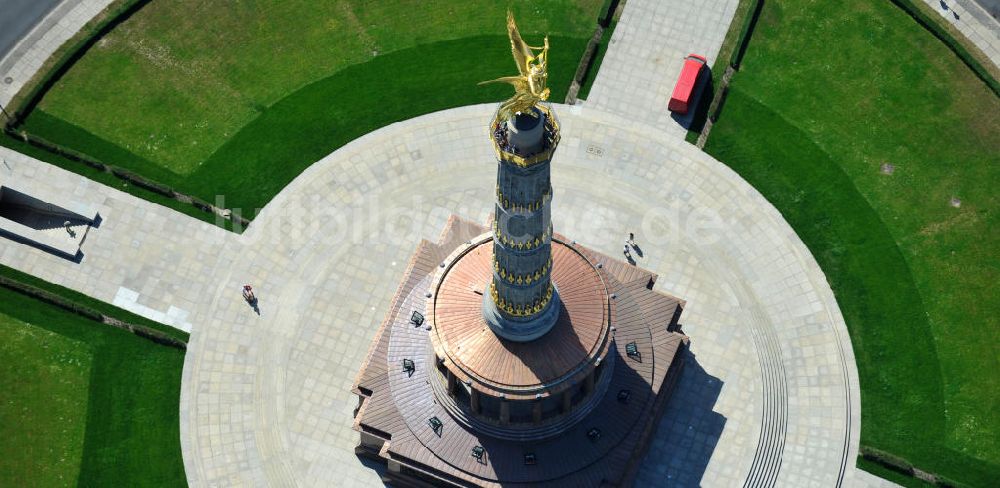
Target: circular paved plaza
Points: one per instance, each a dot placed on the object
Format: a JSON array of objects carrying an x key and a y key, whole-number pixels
[{"x": 770, "y": 391}]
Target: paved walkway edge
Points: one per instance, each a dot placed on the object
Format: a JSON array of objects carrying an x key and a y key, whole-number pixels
[
  {"x": 28, "y": 56},
  {"x": 973, "y": 22}
]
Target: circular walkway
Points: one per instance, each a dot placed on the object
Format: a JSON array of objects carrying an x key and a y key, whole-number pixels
[{"x": 770, "y": 394}]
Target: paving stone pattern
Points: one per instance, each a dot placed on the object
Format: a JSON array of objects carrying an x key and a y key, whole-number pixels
[
  {"x": 770, "y": 391},
  {"x": 646, "y": 52},
  {"x": 163, "y": 259},
  {"x": 973, "y": 21},
  {"x": 27, "y": 57},
  {"x": 769, "y": 396}
]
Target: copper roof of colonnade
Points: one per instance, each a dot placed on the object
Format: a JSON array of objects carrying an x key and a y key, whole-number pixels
[
  {"x": 396, "y": 405},
  {"x": 579, "y": 337}
]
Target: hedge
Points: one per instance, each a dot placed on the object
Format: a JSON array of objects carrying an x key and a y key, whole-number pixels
[
  {"x": 120, "y": 173},
  {"x": 902, "y": 466},
  {"x": 608, "y": 14},
  {"x": 749, "y": 22},
  {"x": 89, "y": 313}
]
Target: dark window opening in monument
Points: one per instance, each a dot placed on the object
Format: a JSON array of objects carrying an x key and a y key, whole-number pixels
[
  {"x": 489, "y": 406},
  {"x": 442, "y": 377},
  {"x": 578, "y": 395},
  {"x": 530, "y": 460},
  {"x": 420, "y": 475},
  {"x": 550, "y": 407},
  {"x": 463, "y": 395},
  {"x": 520, "y": 412}
]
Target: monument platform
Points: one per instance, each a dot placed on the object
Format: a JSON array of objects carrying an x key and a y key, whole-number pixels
[{"x": 614, "y": 354}]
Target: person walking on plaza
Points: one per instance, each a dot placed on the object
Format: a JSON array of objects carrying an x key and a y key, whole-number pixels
[
  {"x": 248, "y": 294},
  {"x": 251, "y": 298}
]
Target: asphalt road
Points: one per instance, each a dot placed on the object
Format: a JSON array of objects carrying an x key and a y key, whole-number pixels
[{"x": 17, "y": 17}]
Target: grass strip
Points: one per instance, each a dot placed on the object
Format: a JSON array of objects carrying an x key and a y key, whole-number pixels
[
  {"x": 67, "y": 55},
  {"x": 44, "y": 378},
  {"x": 915, "y": 136},
  {"x": 267, "y": 154},
  {"x": 901, "y": 381},
  {"x": 101, "y": 175},
  {"x": 731, "y": 53},
  {"x": 934, "y": 27},
  {"x": 287, "y": 137},
  {"x": 83, "y": 305},
  {"x": 597, "y": 59},
  {"x": 131, "y": 419}
]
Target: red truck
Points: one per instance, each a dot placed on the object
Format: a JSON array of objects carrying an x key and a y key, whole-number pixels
[{"x": 686, "y": 83}]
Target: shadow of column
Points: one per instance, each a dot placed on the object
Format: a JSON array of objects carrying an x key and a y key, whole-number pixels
[{"x": 688, "y": 432}]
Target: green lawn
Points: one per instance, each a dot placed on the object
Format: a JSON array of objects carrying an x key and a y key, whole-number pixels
[
  {"x": 45, "y": 378},
  {"x": 239, "y": 100},
  {"x": 84, "y": 404},
  {"x": 828, "y": 92}
]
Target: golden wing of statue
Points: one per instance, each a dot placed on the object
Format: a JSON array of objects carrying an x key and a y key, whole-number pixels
[
  {"x": 522, "y": 52},
  {"x": 529, "y": 85},
  {"x": 520, "y": 83}
]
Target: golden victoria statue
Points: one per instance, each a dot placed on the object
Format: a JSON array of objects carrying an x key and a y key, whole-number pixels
[{"x": 529, "y": 85}]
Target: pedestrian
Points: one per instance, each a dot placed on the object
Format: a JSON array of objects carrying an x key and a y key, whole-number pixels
[
  {"x": 631, "y": 239},
  {"x": 248, "y": 294}
]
